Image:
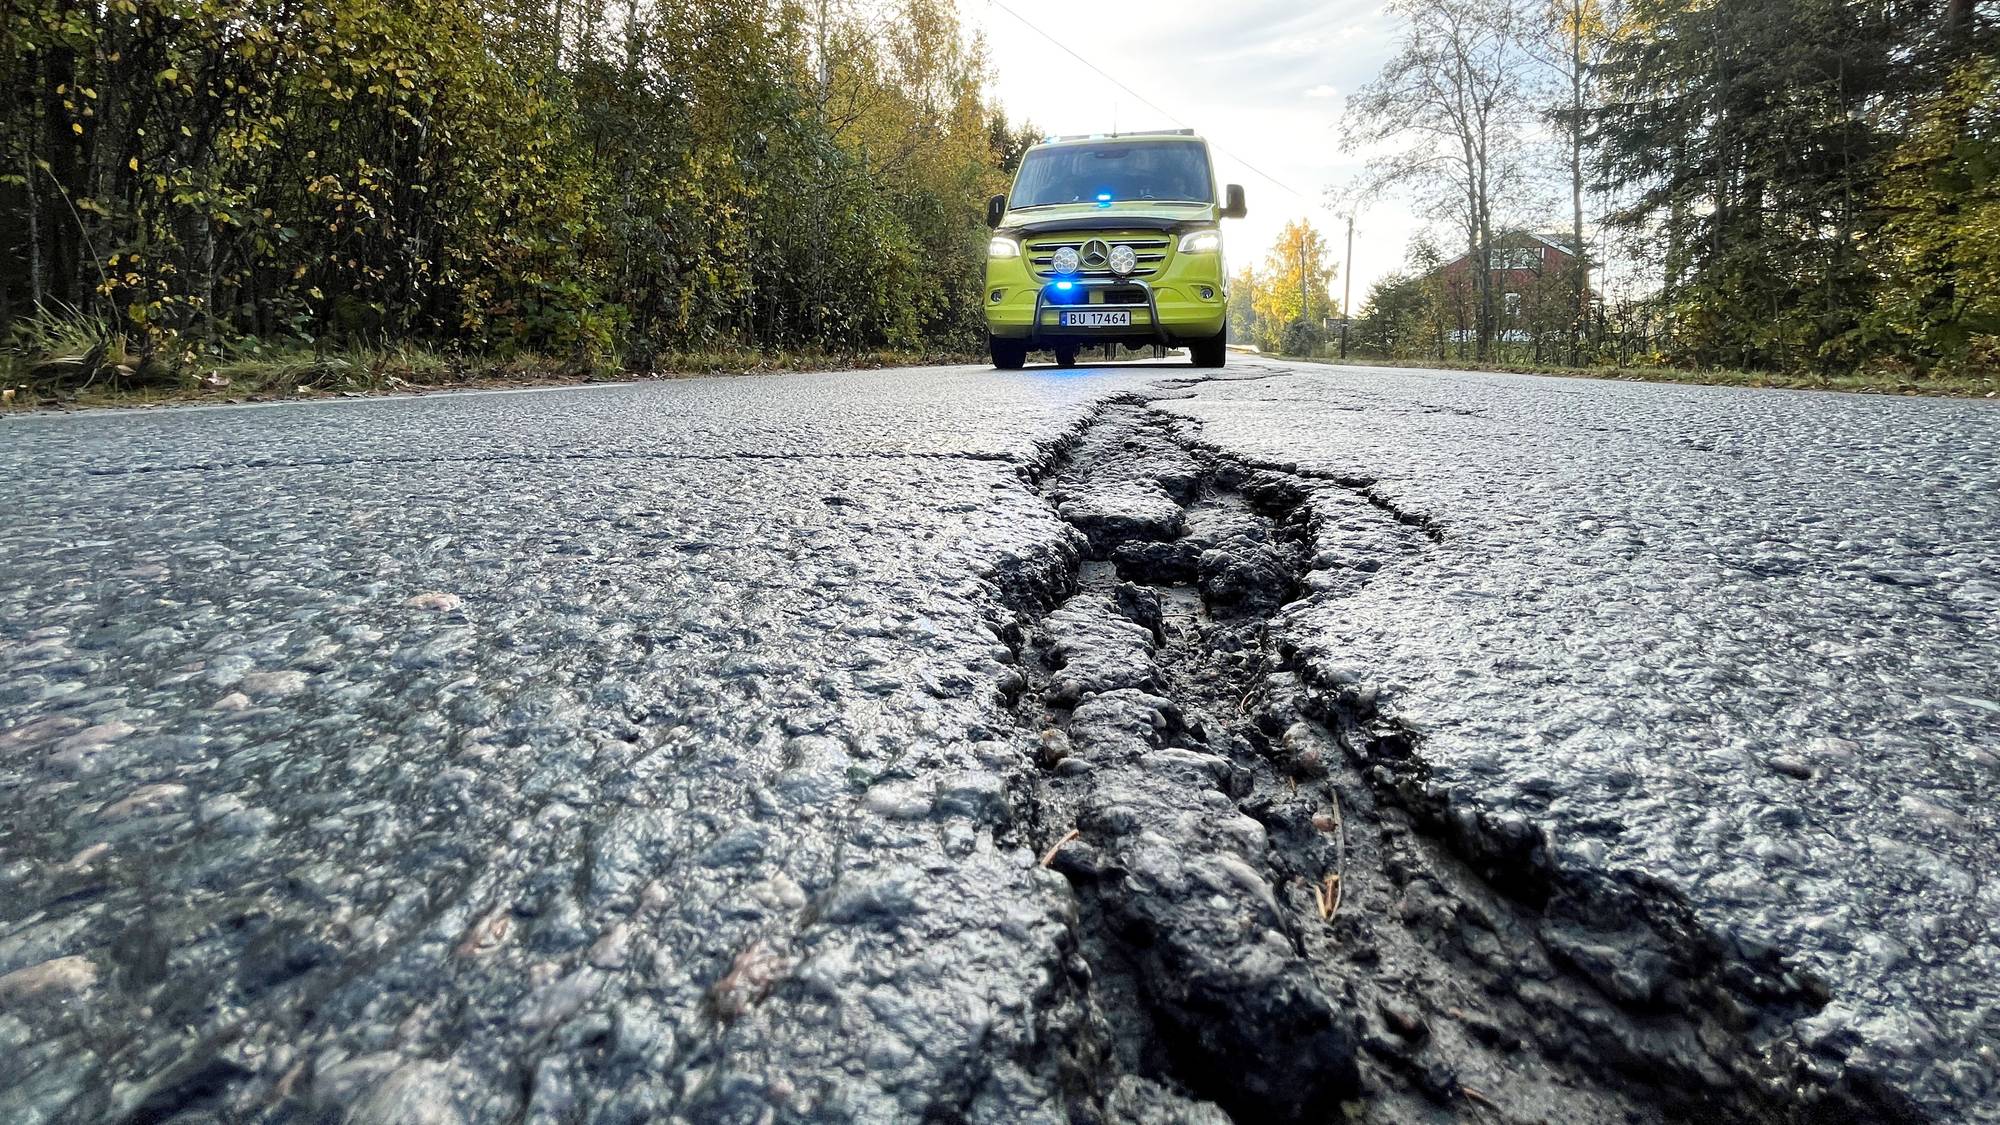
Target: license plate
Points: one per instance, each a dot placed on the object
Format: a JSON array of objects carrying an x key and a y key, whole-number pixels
[{"x": 1082, "y": 318}]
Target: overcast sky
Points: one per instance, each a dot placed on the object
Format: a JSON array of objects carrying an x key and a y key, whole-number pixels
[{"x": 1263, "y": 80}]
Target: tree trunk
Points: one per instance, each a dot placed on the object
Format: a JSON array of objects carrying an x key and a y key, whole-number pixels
[
  {"x": 1958, "y": 23},
  {"x": 37, "y": 287},
  {"x": 1579, "y": 267},
  {"x": 1486, "y": 312},
  {"x": 1483, "y": 211},
  {"x": 1467, "y": 302}
]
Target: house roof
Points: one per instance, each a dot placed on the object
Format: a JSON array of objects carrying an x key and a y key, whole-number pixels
[
  {"x": 1547, "y": 240},
  {"x": 1505, "y": 236}
]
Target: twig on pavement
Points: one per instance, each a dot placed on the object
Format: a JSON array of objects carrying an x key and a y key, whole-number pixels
[{"x": 1049, "y": 856}]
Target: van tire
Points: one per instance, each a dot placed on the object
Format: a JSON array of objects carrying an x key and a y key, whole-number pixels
[
  {"x": 1212, "y": 352},
  {"x": 1008, "y": 355},
  {"x": 1066, "y": 356}
]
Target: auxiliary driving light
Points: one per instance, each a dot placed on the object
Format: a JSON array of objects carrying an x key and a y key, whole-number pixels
[
  {"x": 1124, "y": 260},
  {"x": 1067, "y": 260}
]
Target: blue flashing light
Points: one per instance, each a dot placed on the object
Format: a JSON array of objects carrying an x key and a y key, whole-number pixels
[
  {"x": 1065, "y": 286},
  {"x": 1104, "y": 197}
]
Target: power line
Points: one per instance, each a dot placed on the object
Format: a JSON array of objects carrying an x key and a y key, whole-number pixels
[{"x": 1141, "y": 98}]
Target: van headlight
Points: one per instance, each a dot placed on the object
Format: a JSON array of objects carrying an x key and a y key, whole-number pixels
[
  {"x": 1003, "y": 248},
  {"x": 1201, "y": 242}
]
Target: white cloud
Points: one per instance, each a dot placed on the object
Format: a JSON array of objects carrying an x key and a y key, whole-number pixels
[{"x": 1323, "y": 91}]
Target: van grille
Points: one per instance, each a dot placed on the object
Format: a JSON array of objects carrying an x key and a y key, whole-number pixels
[{"x": 1152, "y": 250}]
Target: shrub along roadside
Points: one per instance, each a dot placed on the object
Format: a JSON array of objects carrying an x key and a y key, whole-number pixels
[{"x": 603, "y": 183}]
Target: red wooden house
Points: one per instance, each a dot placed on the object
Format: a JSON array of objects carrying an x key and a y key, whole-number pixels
[{"x": 1531, "y": 285}]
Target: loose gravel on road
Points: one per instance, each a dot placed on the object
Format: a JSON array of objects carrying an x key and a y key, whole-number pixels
[{"x": 1099, "y": 745}]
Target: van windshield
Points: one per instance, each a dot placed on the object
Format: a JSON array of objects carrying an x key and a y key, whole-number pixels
[{"x": 1164, "y": 171}]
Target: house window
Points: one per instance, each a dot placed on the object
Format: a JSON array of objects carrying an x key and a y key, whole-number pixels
[
  {"x": 1512, "y": 301},
  {"x": 1517, "y": 258}
]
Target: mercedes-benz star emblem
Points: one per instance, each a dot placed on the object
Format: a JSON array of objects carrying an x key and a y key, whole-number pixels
[{"x": 1096, "y": 254}]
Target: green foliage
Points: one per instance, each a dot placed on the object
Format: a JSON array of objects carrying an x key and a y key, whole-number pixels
[
  {"x": 1243, "y": 306},
  {"x": 1815, "y": 176},
  {"x": 599, "y": 180},
  {"x": 1938, "y": 305},
  {"x": 1398, "y": 319},
  {"x": 1302, "y": 337}
]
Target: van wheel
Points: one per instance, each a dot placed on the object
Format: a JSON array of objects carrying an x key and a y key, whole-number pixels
[
  {"x": 1008, "y": 355},
  {"x": 1212, "y": 352},
  {"x": 1066, "y": 357}
]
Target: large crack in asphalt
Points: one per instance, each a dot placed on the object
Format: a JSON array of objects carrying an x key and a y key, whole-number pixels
[{"x": 1276, "y": 919}]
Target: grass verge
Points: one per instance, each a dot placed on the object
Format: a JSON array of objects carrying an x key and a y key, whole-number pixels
[
  {"x": 76, "y": 366},
  {"x": 1940, "y": 386}
]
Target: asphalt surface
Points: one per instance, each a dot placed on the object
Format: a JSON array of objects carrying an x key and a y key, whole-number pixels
[
  {"x": 1745, "y": 644},
  {"x": 655, "y": 751}
]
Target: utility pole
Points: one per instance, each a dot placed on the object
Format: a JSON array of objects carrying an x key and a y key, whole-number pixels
[
  {"x": 1304, "y": 309},
  {"x": 1347, "y": 287}
]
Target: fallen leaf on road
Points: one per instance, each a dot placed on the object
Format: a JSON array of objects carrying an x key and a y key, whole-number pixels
[
  {"x": 749, "y": 979},
  {"x": 61, "y": 975},
  {"x": 264, "y": 684},
  {"x": 147, "y": 800},
  {"x": 486, "y": 934}
]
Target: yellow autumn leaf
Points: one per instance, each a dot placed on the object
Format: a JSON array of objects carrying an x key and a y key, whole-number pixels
[
  {"x": 133, "y": 164},
  {"x": 77, "y": 128}
]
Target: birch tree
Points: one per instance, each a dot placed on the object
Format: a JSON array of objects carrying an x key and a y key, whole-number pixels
[
  {"x": 1446, "y": 116},
  {"x": 1571, "y": 39}
]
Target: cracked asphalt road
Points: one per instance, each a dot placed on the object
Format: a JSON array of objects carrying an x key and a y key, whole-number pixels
[{"x": 653, "y": 751}]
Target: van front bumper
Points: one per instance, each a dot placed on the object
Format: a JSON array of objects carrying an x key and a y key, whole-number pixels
[{"x": 1168, "y": 315}]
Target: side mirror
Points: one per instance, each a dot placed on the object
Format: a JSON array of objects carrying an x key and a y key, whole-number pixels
[
  {"x": 996, "y": 208},
  {"x": 1234, "y": 208}
]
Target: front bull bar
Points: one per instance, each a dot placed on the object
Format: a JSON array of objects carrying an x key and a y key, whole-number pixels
[{"x": 1151, "y": 306}]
